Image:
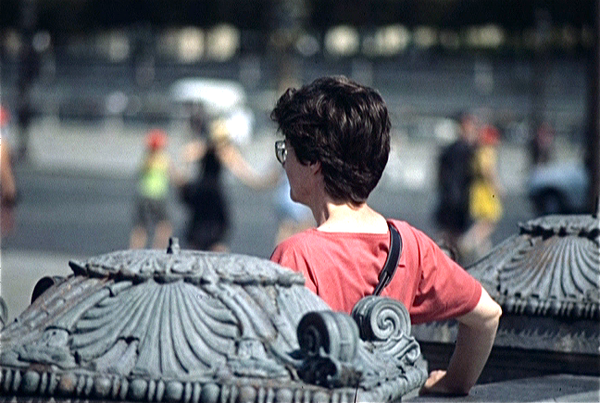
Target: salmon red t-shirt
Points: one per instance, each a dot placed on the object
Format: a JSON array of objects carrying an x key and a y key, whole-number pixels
[{"x": 342, "y": 268}]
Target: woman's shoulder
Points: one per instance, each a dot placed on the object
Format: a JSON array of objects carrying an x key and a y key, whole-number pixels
[
  {"x": 311, "y": 242},
  {"x": 308, "y": 236},
  {"x": 409, "y": 233},
  {"x": 299, "y": 244},
  {"x": 402, "y": 226}
]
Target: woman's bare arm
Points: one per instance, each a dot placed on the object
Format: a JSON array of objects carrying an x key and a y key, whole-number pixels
[
  {"x": 476, "y": 334},
  {"x": 233, "y": 159}
]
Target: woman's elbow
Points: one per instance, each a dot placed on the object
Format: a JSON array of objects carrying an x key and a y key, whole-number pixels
[
  {"x": 492, "y": 315},
  {"x": 486, "y": 314},
  {"x": 496, "y": 313}
]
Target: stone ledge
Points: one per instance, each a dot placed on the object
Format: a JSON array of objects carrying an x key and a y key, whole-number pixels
[{"x": 555, "y": 388}]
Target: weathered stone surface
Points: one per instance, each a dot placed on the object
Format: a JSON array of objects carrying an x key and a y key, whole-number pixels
[
  {"x": 188, "y": 326},
  {"x": 551, "y": 268}
]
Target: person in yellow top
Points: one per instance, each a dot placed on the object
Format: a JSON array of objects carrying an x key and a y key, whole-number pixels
[
  {"x": 485, "y": 194},
  {"x": 152, "y": 193}
]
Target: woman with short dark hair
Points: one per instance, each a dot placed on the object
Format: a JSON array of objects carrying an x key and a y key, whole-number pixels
[
  {"x": 350, "y": 137},
  {"x": 335, "y": 148}
]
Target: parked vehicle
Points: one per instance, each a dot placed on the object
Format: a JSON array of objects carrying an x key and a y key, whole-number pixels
[
  {"x": 224, "y": 98},
  {"x": 559, "y": 188}
]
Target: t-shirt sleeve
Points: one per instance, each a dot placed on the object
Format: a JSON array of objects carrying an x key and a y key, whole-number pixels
[
  {"x": 445, "y": 290},
  {"x": 289, "y": 254}
]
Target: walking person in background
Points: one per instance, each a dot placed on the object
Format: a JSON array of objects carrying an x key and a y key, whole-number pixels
[
  {"x": 8, "y": 186},
  {"x": 153, "y": 186},
  {"x": 292, "y": 217},
  {"x": 455, "y": 176},
  {"x": 541, "y": 145},
  {"x": 336, "y": 145},
  {"x": 485, "y": 196},
  {"x": 204, "y": 195}
]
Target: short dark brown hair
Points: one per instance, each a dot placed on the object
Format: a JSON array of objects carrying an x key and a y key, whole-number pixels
[{"x": 343, "y": 125}]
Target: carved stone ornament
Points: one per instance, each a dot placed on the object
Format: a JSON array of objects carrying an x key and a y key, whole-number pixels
[
  {"x": 188, "y": 326},
  {"x": 547, "y": 280},
  {"x": 551, "y": 268}
]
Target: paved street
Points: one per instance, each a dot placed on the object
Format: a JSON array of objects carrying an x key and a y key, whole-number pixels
[{"x": 87, "y": 215}]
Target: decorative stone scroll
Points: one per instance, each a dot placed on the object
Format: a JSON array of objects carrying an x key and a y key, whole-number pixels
[{"x": 188, "y": 326}]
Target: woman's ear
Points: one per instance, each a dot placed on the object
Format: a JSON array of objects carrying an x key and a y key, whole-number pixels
[{"x": 315, "y": 167}]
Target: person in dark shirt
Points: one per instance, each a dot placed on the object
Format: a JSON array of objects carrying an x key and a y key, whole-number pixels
[
  {"x": 455, "y": 176},
  {"x": 212, "y": 150}
]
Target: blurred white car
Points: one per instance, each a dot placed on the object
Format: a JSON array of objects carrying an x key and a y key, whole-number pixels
[
  {"x": 225, "y": 99},
  {"x": 559, "y": 188}
]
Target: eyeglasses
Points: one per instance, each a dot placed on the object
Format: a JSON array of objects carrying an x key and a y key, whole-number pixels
[{"x": 280, "y": 151}]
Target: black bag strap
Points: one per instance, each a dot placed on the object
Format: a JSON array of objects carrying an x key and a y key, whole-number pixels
[{"x": 389, "y": 269}]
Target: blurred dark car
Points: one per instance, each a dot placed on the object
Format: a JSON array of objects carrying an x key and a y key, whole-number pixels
[{"x": 559, "y": 188}]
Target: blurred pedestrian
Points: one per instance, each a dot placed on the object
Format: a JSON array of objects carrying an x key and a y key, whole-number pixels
[
  {"x": 8, "y": 186},
  {"x": 541, "y": 145},
  {"x": 485, "y": 196},
  {"x": 292, "y": 217},
  {"x": 154, "y": 177},
  {"x": 455, "y": 176},
  {"x": 204, "y": 195}
]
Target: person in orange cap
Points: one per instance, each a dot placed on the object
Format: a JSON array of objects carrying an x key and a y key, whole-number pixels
[{"x": 153, "y": 189}]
